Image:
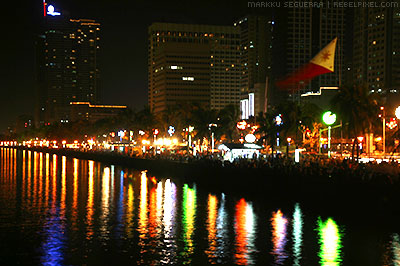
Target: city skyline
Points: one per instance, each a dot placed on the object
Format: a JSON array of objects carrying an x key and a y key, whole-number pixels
[
  {"x": 67, "y": 66},
  {"x": 124, "y": 42},
  {"x": 124, "y": 69},
  {"x": 200, "y": 132}
]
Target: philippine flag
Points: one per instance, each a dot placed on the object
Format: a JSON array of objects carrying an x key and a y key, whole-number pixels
[{"x": 322, "y": 63}]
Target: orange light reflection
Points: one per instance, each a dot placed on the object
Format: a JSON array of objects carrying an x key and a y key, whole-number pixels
[
  {"x": 90, "y": 201},
  {"x": 143, "y": 209},
  {"x": 211, "y": 228},
  {"x": 279, "y": 224}
]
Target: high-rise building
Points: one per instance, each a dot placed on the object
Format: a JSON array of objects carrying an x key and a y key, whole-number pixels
[
  {"x": 332, "y": 24},
  {"x": 66, "y": 64},
  {"x": 193, "y": 63},
  {"x": 256, "y": 47},
  {"x": 376, "y": 49},
  {"x": 256, "y": 52},
  {"x": 299, "y": 43},
  {"x": 93, "y": 112},
  {"x": 308, "y": 31}
]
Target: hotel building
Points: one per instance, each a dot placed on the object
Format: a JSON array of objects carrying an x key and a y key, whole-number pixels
[
  {"x": 193, "y": 63},
  {"x": 376, "y": 49},
  {"x": 66, "y": 65}
]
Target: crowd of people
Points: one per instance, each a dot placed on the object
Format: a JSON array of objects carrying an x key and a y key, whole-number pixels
[{"x": 319, "y": 167}]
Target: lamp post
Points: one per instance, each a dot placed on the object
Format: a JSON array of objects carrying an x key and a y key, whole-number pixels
[
  {"x": 287, "y": 146},
  {"x": 383, "y": 131},
  {"x": 189, "y": 130},
  {"x": 210, "y": 126},
  {"x": 155, "y": 133},
  {"x": 329, "y": 118},
  {"x": 397, "y": 113}
]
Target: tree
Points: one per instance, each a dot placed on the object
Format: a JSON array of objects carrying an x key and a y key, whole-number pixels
[
  {"x": 144, "y": 119},
  {"x": 357, "y": 108},
  {"x": 201, "y": 120},
  {"x": 227, "y": 119},
  {"x": 268, "y": 127}
]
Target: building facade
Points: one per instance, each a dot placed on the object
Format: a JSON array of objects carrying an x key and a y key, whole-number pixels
[
  {"x": 376, "y": 60},
  {"x": 93, "y": 112},
  {"x": 66, "y": 65},
  {"x": 193, "y": 63},
  {"x": 256, "y": 36},
  {"x": 309, "y": 30},
  {"x": 256, "y": 48}
]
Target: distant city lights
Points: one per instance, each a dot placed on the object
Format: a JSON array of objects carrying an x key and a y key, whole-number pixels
[
  {"x": 278, "y": 120},
  {"x": 171, "y": 130}
]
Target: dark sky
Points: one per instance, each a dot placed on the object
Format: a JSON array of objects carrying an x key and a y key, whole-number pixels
[{"x": 123, "y": 48}]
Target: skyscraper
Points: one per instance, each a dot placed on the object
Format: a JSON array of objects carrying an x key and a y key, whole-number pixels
[
  {"x": 66, "y": 65},
  {"x": 376, "y": 49},
  {"x": 332, "y": 23},
  {"x": 299, "y": 42},
  {"x": 193, "y": 63},
  {"x": 256, "y": 49},
  {"x": 308, "y": 31}
]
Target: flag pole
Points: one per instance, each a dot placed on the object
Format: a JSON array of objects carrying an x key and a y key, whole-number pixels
[
  {"x": 340, "y": 64},
  {"x": 266, "y": 96}
]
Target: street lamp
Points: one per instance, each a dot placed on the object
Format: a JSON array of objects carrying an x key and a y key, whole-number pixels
[
  {"x": 360, "y": 140},
  {"x": 384, "y": 130},
  {"x": 189, "y": 130},
  {"x": 278, "y": 122},
  {"x": 287, "y": 146},
  {"x": 329, "y": 118},
  {"x": 210, "y": 126}
]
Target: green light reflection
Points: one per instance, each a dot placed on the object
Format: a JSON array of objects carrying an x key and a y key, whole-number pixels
[
  {"x": 188, "y": 217},
  {"x": 396, "y": 249},
  {"x": 330, "y": 239},
  {"x": 297, "y": 234}
]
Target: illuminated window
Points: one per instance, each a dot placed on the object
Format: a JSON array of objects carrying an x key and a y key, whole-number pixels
[{"x": 176, "y": 67}]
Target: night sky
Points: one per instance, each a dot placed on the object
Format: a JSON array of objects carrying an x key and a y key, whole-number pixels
[{"x": 123, "y": 48}]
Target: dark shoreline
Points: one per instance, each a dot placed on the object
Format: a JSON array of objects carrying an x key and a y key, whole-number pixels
[{"x": 336, "y": 191}]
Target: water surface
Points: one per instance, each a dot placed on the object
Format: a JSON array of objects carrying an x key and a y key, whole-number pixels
[{"x": 64, "y": 211}]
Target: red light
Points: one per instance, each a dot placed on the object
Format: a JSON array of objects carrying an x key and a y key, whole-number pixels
[{"x": 44, "y": 8}]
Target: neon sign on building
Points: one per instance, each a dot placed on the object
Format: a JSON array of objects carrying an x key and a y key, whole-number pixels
[{"x": 49, "y": 10}]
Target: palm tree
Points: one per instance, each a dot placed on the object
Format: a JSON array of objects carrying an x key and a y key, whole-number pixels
[
  {"x": 357, "y": 108},
  {"x": 170, "y": 117},
  {"x": 144, "y": 119},
  {"x": 227, "y": 119},
  {"x": 201, "y": 119},
  {"x": 268, "y": 127}
]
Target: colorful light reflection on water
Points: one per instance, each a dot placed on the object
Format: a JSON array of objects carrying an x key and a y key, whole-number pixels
[
  {"x": 188, "y": 217},
  {"x": 297, "y": 238},
  {"x": 63, "y": 211},
  {"x": 245, "y": 232},
  {"x": 279, "y": 224},
  {"x": 330, "y": 239},
  {"x": 396, "y": 249}
]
